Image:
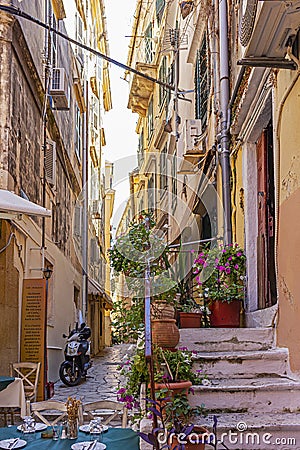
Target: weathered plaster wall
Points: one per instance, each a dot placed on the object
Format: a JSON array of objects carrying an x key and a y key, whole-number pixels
[
  {"x": 289, "y": 230},
  {"x": 9, "y": 302}
]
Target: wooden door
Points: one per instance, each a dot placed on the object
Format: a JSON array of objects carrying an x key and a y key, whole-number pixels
[{"x": 266, "y": 209}]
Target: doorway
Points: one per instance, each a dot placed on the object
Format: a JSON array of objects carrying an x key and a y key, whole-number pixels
[{"x": 267, "y": 291}]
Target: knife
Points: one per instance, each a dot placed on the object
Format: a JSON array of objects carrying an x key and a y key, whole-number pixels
[
  {"x": 92, "y": 445},
  {"x": 13, "y": 444}
]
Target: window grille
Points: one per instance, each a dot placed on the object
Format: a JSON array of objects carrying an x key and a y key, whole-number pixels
[{"x": 202, "y": 84}]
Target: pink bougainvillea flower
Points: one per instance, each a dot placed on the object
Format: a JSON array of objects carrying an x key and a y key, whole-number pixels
[
  {"x": 236, "y": 266},
  {"x": 228, "y": 270}
]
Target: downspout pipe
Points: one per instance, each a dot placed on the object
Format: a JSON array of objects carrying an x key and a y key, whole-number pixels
[{"x": 224, "y": 138}]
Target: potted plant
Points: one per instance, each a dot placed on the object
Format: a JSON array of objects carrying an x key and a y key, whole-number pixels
[
  {"x": 132, "y": 253},
  {"x": 190, "y": 315},
  {"x": 176, "y": 429},
  {"x": 172, "y": 374},
  {"x": 220, "y": 276}
]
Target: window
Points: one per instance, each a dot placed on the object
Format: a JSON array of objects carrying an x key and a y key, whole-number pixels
[
  {"x": 162, "y": 76},
  {"x": 151, "y": 193},
  {"x": 148, "y": 45},
  {"x": 202, "y": 83},
  {"x": 50, "y": 18},
  {"x": 54, "y": 42},
  {"x": 163, "y": 170},
  {"x": 78, "y": 132},
  {"x": 79, "y": 38},
  {"x": 150, "y": 120},
  {"x": 141, "y": 149},
  {"x": 160, "y": 6}
]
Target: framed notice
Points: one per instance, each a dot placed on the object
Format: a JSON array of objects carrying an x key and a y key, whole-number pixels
[{"x": 33, "y": 326}]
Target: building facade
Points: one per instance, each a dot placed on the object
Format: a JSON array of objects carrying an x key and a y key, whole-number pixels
[
  {"x": 218, "y": 140},
  {"x": 53, "y": 97}
]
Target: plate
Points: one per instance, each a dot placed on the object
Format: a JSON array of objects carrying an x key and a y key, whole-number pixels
[
  {"x": 37, "y": 427},
  {"x": 88, "y": 444},
  {"x": 6, "y": 443},
  {"x": 86, "y": 428}
]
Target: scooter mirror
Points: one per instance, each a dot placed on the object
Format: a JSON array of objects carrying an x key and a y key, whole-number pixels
[{"x": 64, "y": 335}]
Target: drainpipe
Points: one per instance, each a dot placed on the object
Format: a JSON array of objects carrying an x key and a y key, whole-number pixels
[{"x": 225, "y": 122}]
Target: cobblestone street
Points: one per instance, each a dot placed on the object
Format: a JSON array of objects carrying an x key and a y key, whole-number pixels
[{"x": 102, "y": 380}]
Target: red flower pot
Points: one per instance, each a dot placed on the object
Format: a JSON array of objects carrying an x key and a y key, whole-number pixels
[
  {"x": 224, "y": 314},
  {"x": 190, "y": 320}
]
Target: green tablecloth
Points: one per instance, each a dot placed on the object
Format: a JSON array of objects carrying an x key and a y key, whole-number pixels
[
  {"x": 5, "y": 381},
  {"x": 114, "y": 439}
]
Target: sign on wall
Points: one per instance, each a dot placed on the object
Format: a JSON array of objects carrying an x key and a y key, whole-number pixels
[{"x": 33, "y": 326}]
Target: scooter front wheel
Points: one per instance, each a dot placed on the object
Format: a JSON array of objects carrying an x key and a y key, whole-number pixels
[{"x": 70, "y": 374}]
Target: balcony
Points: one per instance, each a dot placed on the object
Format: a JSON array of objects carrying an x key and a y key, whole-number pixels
[
  {"x": 267, "y": 29},
  {"x": 141, "y": 89}
]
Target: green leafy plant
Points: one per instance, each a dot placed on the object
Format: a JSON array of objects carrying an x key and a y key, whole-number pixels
[
  {"x": 220, "y": 273},
  {"x": 175, "y": 427},
  {"x": 127, "y": 321},
  {"x": 169, "y": 366},
  {"x": 130, "y": 255}
]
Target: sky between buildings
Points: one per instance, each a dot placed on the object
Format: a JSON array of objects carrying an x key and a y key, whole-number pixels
[{"x": 120, "y": 122}]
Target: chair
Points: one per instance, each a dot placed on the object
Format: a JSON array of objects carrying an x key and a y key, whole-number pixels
[
  {"x": 111, "y": 409},
  {"x": 47, "y": 409},
  {"x": 29, "y": 373}
]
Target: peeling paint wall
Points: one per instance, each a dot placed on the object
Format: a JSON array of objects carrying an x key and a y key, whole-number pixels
[{"x": 289, "y": 219}]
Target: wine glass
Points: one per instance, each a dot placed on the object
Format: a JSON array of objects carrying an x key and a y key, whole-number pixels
[{"x": 96, "y": 429}]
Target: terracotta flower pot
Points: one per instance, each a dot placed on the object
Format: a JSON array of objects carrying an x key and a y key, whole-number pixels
[
  {"x": 224, "y": 314},
  {"x": 190, "y": 320},
  {"x": 162, "y": 310},
  {"x": 181, "y": 387},
  {"x": 165, "y": 333}
]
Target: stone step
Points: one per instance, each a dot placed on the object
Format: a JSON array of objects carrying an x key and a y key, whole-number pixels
[
  {"x": 255, "y": 431},
  {"x": 226, "y": 339},
  {"x": 259, "y": 431},
  {"x": 274, "y": 394},
  {"x": 243, "y": 364}
]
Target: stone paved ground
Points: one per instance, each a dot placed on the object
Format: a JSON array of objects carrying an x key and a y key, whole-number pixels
[
  {"x": 101, "y": 383},
  {"x": 102, "y": 380}
]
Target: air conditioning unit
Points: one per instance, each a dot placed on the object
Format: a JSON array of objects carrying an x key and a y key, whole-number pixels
[
  {"x": 59, "y": 89},
  {"x": 273, "y": 25},
  {"x": 191, "y": 132}
]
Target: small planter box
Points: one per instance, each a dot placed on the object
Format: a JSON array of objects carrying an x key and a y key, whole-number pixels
[{"x": 190, "y": 320}]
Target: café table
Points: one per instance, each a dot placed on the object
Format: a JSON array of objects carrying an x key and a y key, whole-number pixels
[
  {"x": 113, "y": 438},
  {"x": 13, "y": 395},
  {"x": 5, "y": 381}
]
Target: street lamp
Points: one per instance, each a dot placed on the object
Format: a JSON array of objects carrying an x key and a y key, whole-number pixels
[{"x": 47, "y": 272}]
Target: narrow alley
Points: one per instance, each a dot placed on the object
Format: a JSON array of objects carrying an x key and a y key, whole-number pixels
[{"x": 102, "y": 379}]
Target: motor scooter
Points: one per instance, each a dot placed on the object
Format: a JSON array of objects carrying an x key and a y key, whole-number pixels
[{"x": 77, "y": 356}]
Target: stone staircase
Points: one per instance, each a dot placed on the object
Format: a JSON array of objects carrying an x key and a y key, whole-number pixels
[{"x": 253, "y": 394}]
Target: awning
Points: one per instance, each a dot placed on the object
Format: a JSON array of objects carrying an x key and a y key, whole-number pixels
[
  {"x": 12, "y": 203},
  {"x": 95, "y": 288}
]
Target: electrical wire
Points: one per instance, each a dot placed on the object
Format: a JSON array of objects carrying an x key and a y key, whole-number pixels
[
  {"x": 8, "y": 242},
  {"x": 18, "y": 12}
]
